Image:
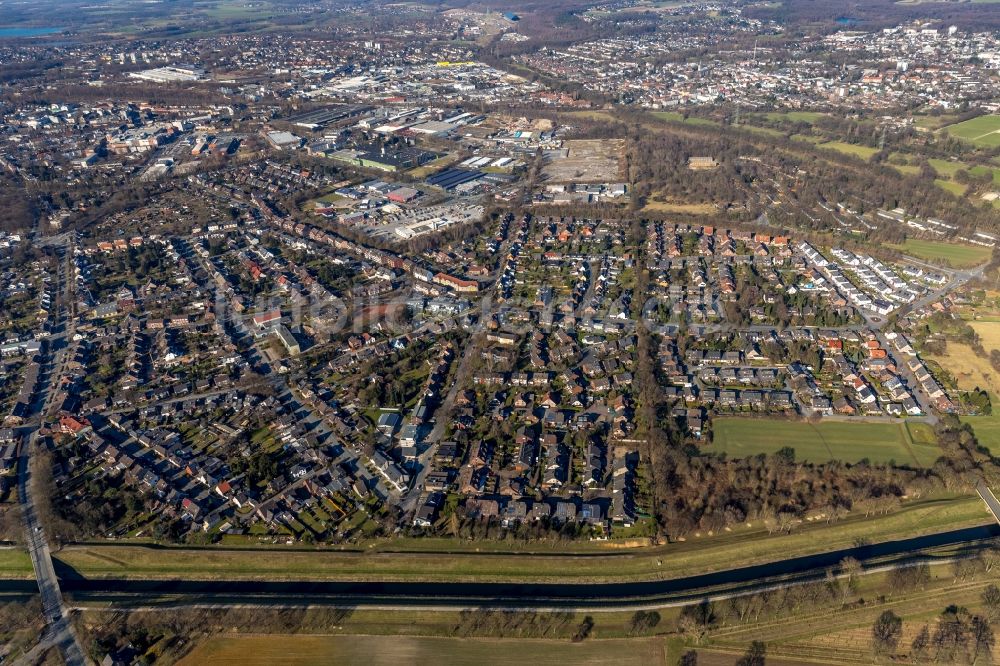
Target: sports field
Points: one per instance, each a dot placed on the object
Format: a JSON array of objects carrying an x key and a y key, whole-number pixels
[
  {"x": 906, "y": 443},
  {"x": 983, "y": 131},
  {"x": 955, "y": 255}
]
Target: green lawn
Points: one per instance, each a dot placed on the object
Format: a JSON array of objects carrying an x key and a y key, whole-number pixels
[
  {"x": 906, "y": 169},
  {"x": 958, "y": 189},
  {"x": 808, "y": 138},
  {"x": 678, "y": 117},
  {"x": 909, "y": 444},
  {"x": 987, "y": 429},
  {"x": 767, "y": 131},
  {"x": 933, "y": 122},
  {"x": 981, "y": 170},
  {"x": 955, "y": 255},
  {"x": 15, "y": 563},
  {"x": 796, "y": 116},
  {"x": 946, "y": 168},
  {"x": 864, "y": 152},
  {"x": 983, "y": 131}
]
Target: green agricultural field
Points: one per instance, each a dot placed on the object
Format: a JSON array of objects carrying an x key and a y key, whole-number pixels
[
  {"x": 954, "y": 254},
  {"x": 983, "y": 131},
  {"x": 864, "y": 152},
  {"x": 908, "y": 444},
  {"x": 238, "y": 10},
  {"x": 828, "y": 633},
  {"x": 299, "y": 649}
]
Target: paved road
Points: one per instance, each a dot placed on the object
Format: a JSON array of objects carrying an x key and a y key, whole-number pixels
[
  {"x": 442, "y": 418},
  {"x": 991, "y": 501},
  {"x": 958, "y": 278},
  {"x": 169, "y": 401},
  {"x": 59, "y": 632},
  {"x": 919, "y": 395}
]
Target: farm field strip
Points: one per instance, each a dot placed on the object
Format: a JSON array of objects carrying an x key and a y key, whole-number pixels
[{"x": 852, "y": 442}]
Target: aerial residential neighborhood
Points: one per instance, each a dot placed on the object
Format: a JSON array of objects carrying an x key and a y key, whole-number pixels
[{"x": 609, "y": 332}]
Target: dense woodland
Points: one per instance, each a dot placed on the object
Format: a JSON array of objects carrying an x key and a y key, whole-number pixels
[
  {"x": 810, "y": 176},
  {"x": 18, "y": 207}
]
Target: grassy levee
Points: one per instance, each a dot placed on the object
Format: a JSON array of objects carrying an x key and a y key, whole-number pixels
[
  {"x": 741, "y": 547},
  {"x": 15, "y": 563}
]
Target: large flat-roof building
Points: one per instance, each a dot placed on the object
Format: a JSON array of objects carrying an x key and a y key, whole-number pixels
[
  {"x": 171, "y": 73},
  {"x": 289, "y": 341}
]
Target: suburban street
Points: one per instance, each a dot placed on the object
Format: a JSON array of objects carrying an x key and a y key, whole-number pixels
[
  {"x": 59, "y": 632},
  {"x": 412, "y": 496}
]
